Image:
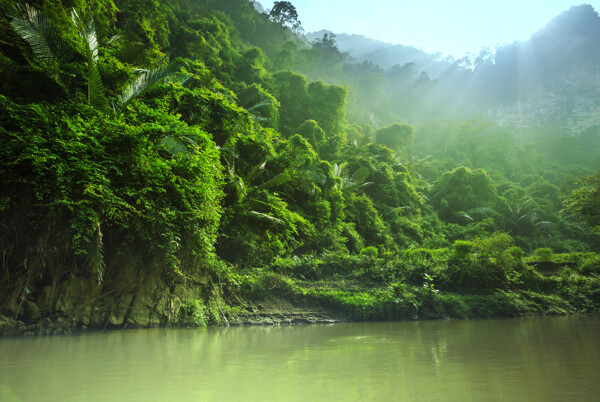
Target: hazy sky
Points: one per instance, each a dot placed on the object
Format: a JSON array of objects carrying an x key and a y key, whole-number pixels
[{"x": 453, "y": 27}]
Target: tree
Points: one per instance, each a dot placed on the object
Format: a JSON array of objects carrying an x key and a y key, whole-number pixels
[
  {"x": 395, "y": 136},
  {"x": 584, "y": 202},
  {"x": 284, "y": 13},
  {"x": 524, "y": 218},
  {"x": 471, "y": 135},
  {"x": 312, "y": 132},
  {"x": 250, "y": 67},
  {"x": 291, "y": 90},
  {"x": 327, "y": 46},
  {"x": 462, "y": 190},
  {"x": 327, "y": 106}
]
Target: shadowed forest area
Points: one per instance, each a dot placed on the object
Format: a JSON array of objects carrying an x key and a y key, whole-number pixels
[{"x": 188, "y": 162}]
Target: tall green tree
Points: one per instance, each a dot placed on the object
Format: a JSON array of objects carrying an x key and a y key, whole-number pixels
[
  {"x": 395, "y": 136},
  {"x": 584, "y": 202},
  {"x": 284, "y": 13}
]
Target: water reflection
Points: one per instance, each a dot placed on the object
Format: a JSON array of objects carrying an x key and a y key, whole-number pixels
[{"x": 533, "y": 359}]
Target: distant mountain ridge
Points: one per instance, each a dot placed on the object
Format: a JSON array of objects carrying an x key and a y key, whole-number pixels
[
  {"x": 553, "y": 78},
  {"x": 259, "y": 7},
  {"x": 384, "y": 54}
]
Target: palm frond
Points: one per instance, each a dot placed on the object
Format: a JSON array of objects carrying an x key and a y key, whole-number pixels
[
  {"x": 259, "y": 104},
  {"x": 481, "y": 210},
  {"x": 87, "y": 31},
  {"x": 113, "y": 39},
  {"x": 256, "y": 117},
  {"x": 465, "y": 216},
  {"x": 278, "y": 180},
  {"x": 174, "y": 145},
  {"x": 338, "y": 169},
  {"x": 256, "y": 171},
  {"x": 267, "y": 217},
  {"x": 181, "y": 144},
  {"x": 182, "y": 78},
  {"x": 347, "y": 182},
  {"x": 139, "y": 85},
  {"x": 364, "y": 186},
  {"x": 360, "y": 175},
  {"x": 36, "y": 29},
  {"x": 304, "y": 181},
  {"x": 545, "y": 225},
  {"x": 96, "y": 91}
]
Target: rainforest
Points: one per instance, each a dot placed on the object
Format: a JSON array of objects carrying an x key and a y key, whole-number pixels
[{"x": 192, "y": 163}]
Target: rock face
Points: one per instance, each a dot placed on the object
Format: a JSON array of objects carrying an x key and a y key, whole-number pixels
[
  {"x": 130, "y": 298},
  {"x": 133, "y": 299}
]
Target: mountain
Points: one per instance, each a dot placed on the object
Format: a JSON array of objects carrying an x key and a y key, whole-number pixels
[
  {"x": 385, "y": 55},
  {"x": 259, "y": 7},
  {"x": 551, "y": 79}
]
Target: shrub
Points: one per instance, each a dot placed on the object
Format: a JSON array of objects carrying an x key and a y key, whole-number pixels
[
  {"x": 516, "y": 252},
  {"x": 195, "y": 313},
  {"x": 543, "y": 254},
  {"x": 371, "y": 252},
  {"x": 590, "y": 265},
  {"x": 462, "y": 248}
]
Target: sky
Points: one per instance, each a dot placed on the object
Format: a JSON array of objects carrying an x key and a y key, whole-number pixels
[{"x": 453, "y": 27}]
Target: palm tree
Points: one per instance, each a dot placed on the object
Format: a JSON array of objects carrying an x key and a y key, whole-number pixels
[
  {"x": 356, "y": 181},
  {"x": 41, "y": 34},
  {"x": 144, "y": 81},
  {"x": 88, "y": 44},
  {"x": 255, "y": 114},
  {"x": 523, "y": 218}
]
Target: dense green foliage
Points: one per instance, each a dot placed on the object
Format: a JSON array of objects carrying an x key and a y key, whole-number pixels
[{"x": 236, "y": 151}]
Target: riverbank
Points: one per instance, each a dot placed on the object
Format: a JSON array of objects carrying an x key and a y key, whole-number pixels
[
  {"x": 266, "y": 297},
  {"x": 267, "y": 313}
]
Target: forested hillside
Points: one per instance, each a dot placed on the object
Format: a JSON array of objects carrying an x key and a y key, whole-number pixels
[{"x": 187, "y": 162}]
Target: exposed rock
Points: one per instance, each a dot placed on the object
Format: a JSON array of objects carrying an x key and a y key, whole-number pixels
[
  {"x": 31, "y": 310},
  {"x": 76, "y": 293},
  {"x": 86, "y": 315},
  {"x": 81, "y": 303},
  {"x": 9, "y": 326},
  {"x": 117, "y": 314}
]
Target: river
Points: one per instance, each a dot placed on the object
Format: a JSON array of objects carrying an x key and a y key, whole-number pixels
[{"x": 534, "y": 359}]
